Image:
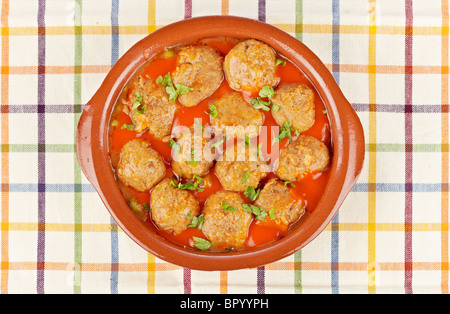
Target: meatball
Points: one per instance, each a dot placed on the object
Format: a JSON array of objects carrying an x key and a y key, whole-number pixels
[
  {"x": 150, "y": 108},
  {"x": 225, "y": 222},
  {"x": 193, "y": 157},
  {"x": 296, "y": 104},
  {"x": 140, "y": 167},
  {"x": 239, "y": 167},
  {"x": 275, "y": 196},
  {"x": 198, "y": 67},
  {"x": 234, "y": 111},
  {"x": 303, "y": 156},
  {"x": 250, "y": 65},
  {"x": 172, "y": 209}
]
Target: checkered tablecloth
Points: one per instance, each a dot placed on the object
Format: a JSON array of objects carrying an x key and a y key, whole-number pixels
[{"x": 391, "y": 59}]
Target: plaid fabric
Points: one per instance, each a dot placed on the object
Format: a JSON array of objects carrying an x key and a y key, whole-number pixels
[{"x": 391, "y": 59}]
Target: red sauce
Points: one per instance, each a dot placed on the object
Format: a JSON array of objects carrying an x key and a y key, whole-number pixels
[{"x": 309, "y": 189}]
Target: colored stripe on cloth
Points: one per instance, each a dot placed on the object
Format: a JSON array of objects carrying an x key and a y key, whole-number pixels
[
  {"x": 41, "y": 148},
  {"x": 445, "y": 143},
  {"x": 4, "y": 248},
  {"x": 78, "y": 235},
  {"x": 114, "y": 236},
  {"x": 372, "y": 141},
  {"x": 408, "y": 143},
  {"x": 335, "y": 222},
  {"x": 225, "y": 7}
]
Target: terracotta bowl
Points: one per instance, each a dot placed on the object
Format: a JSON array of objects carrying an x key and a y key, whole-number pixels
[{"x": 346, "y": 129}]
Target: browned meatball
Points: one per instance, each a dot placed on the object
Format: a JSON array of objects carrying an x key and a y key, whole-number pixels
[
  {"x": 296, "y": 104},
  {"x": 303, "y": 156},
  {"x": 226, "y": 223},
  {"x": 250, "y": 65},
  {"x": 275, "y": 197},
  {"x": 140, "y": 167},
  {"x": 194, "y": 157},
  {"x": 234, "y": 111},
  {"x": 154, "y": 111},
  {"x": 198, "y": 67},
  {"x": 172, "y": 209},
  {"x": 240, "y": 167}
]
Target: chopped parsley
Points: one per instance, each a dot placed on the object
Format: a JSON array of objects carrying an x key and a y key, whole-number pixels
[
  {"x": 280, "y": 61},
  {"x": 258, "y": 150},
  {"x": 258, "y": 212},
  {"x": 218, "y": 142},
  {"x": 173, "y": 91},
  {"x": 192, "y": 161},
  {"x": 189, "y": 185},
  {"x": 245, "y": 176},
  {"x": 266, "y": 91},
  {"x": 247, "y": 141},
  {"x": 201, "y": 243},
  {"x": 197, "y": 222},
  {"x": 174, "y": 145},
  {"x": 227, "y": 207},
  {"x": 272, "y": 213},
  {"x": 286, "y": 183},
  {"x": 285, "y": 131},
  {"x": 198, "y": 124},
  {"x": 212, "y": 111},
  {"x": 258, "y": 103},
  {"x": 251, "y": 193},
  {"x": 129, "y": 127},
  {"x": 137, "y": 103}
]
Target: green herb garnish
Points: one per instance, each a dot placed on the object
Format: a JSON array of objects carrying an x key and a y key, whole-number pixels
[
  {"x": 252, "y": 209},
  {"x": 218, "y": 142},
  {"x": 197, "y": 222},
  {"x": 266, "y": 91},
  {"x": 289, "y": 182},
  {"x": 212, "y": 111},
  {"x": 192, "y": 161},
  {"x": 280, "y": 61},
  {"x": 227, "y": 207},
  {"x": 129, "y": 127},
  {"x": 285, "y": 131},
  {"x": 193, "y": 186},
  {"x": 174, "y": 145},
  {"x": 173, "y": 91},
  {"x": 272, "y": 213},
  {"x": 199, "y": 125},
  {"x": 245, "y": 176},
  {"x": 258, "y": 103},
  {"x": 137, "y": 104},
  {"x": 258, "y": 149},
  {"x": 251, "y": 193},
  {"x": 183, "y": 89},
  {"x": 201, "y": 243},
  {"x": 247, "y": 141}
]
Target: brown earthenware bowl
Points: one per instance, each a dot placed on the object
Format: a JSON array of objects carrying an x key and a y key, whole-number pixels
[{"x": 346, "y": 130}]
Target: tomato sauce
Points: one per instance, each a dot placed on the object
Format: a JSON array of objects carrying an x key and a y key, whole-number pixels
[{"x": 309, "y": 189}]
